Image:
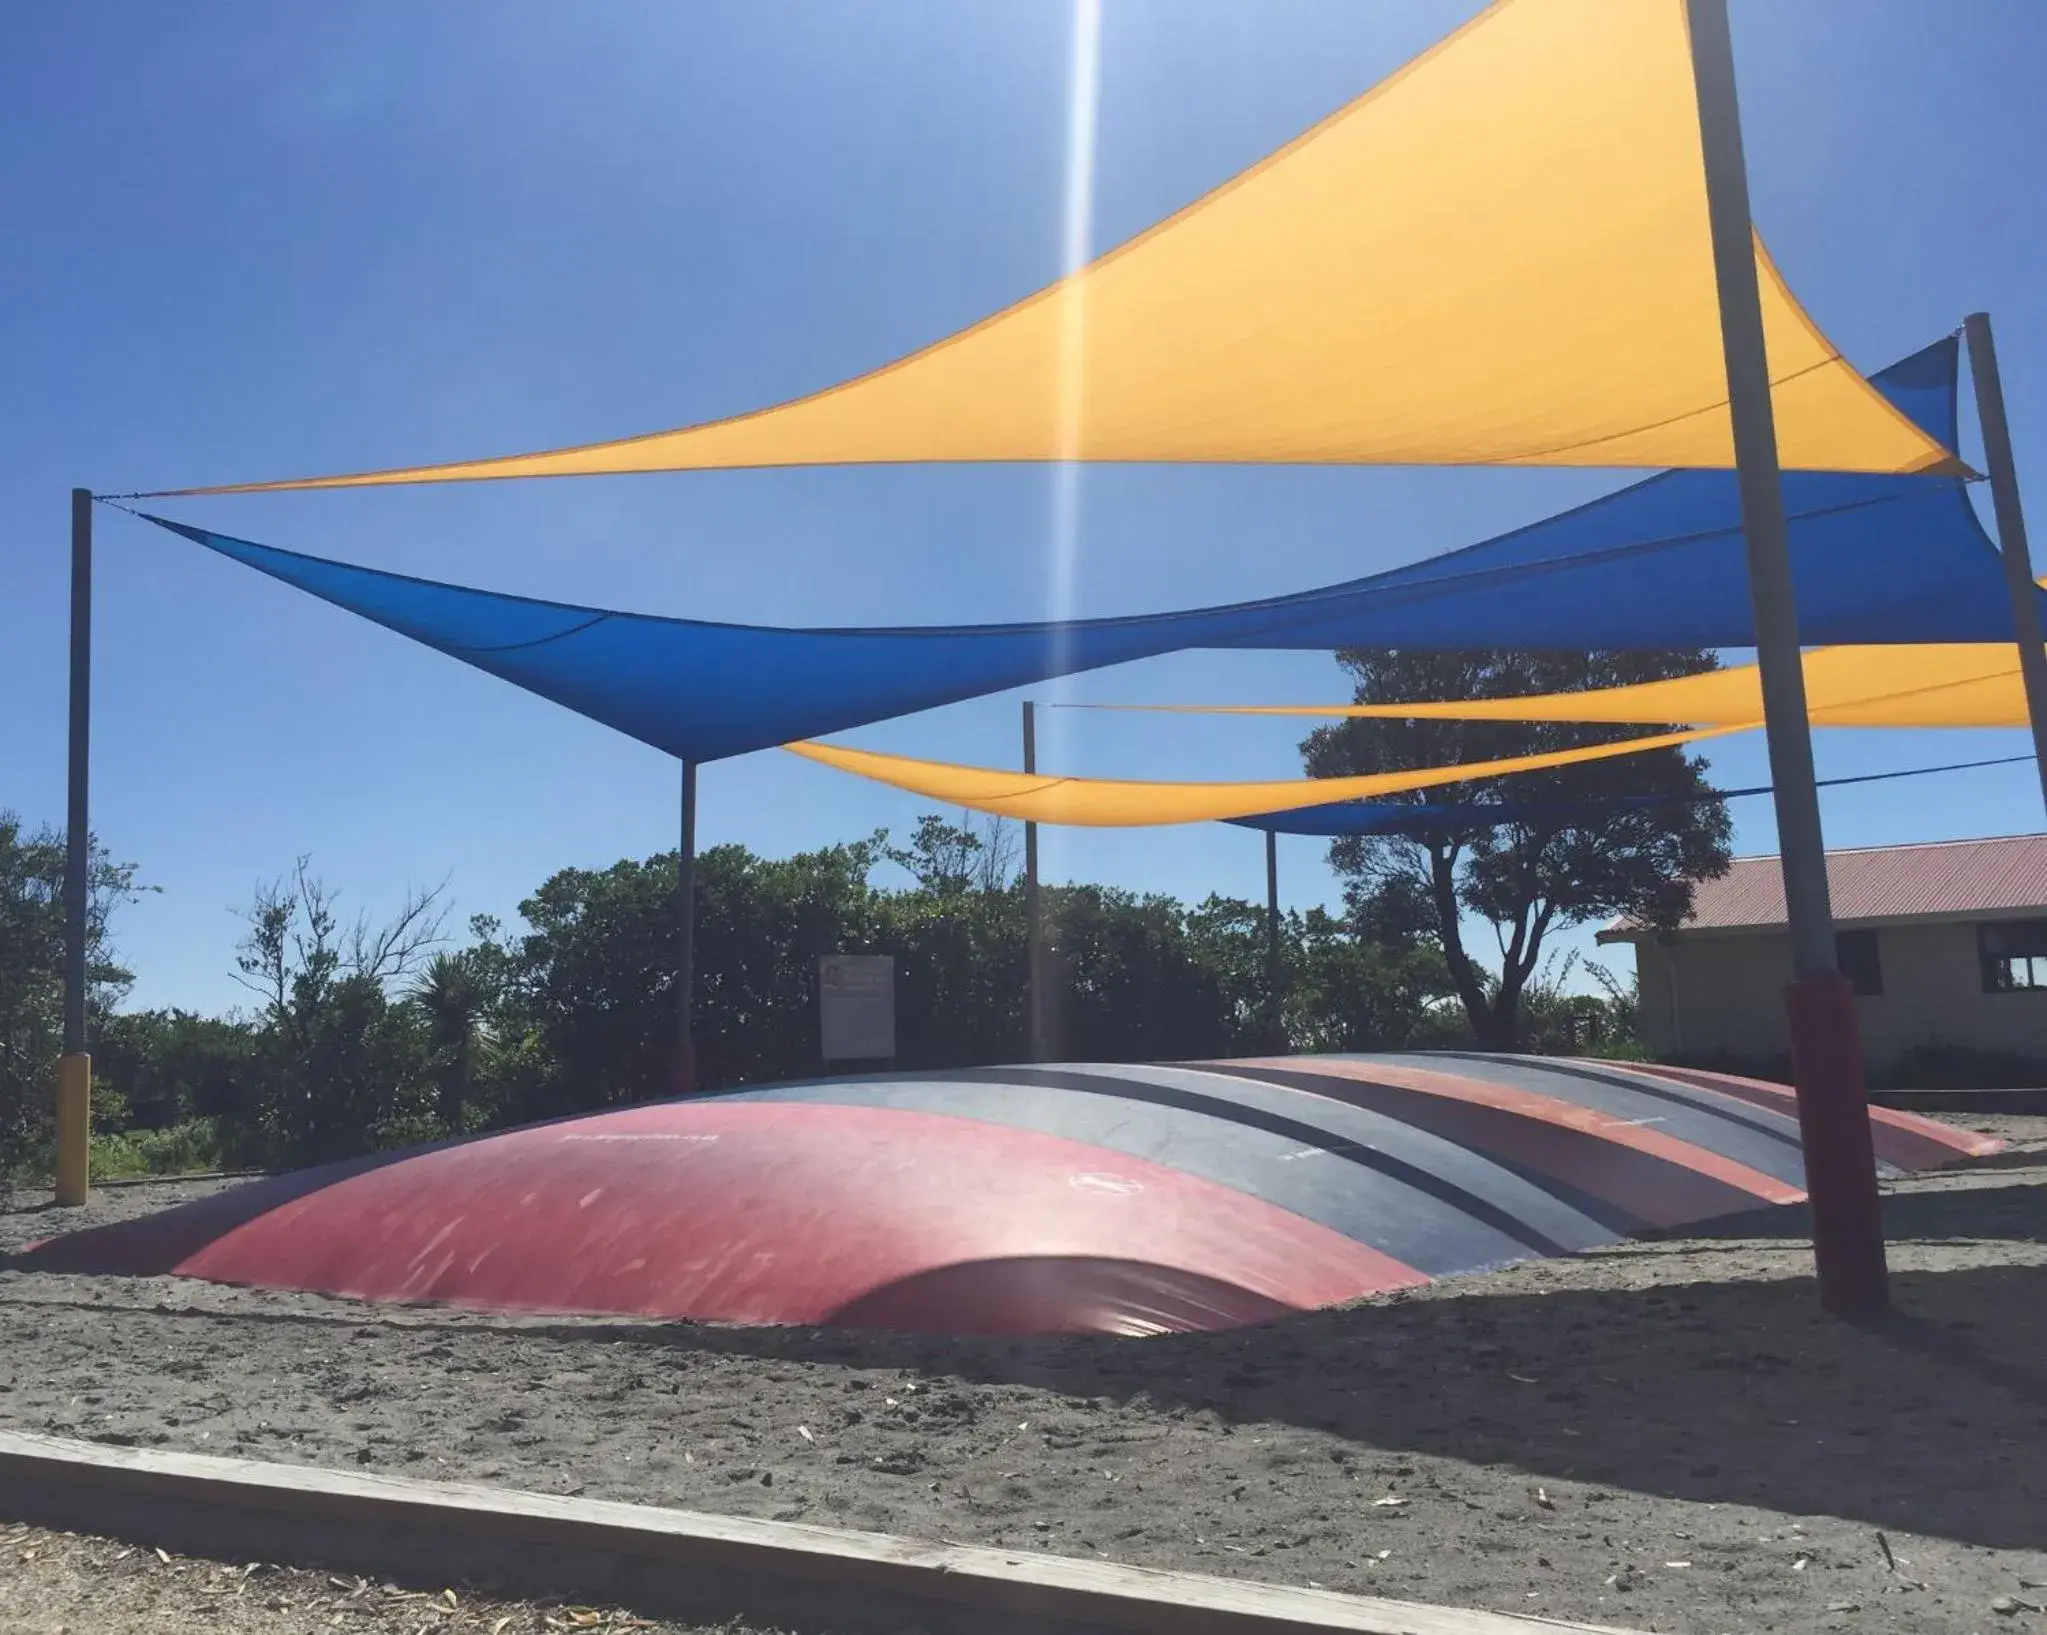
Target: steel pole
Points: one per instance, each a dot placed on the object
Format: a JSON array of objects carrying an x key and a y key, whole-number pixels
[
  {"x": 2011, "y": 529},
  {"x": 1034, "y": 913},
  {"x": 1275, "y": 983},
  {"x": 1833, "y": 1108},
  {"x": 1762, "y": 498},
  {"x": 74, "y": 1069},
  {"x": 686, "y": 937}
]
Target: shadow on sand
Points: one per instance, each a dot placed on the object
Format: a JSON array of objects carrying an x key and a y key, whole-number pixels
[{"x": 1713, "y": 1378}]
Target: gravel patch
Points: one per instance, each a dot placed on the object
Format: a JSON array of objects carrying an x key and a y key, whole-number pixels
[{"x": 73, "y": 1584}]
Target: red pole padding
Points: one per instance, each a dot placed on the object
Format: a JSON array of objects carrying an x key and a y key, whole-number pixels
[
  {"x": 1840, "y": 1163},
  {"x": 685, "y": 1083}
]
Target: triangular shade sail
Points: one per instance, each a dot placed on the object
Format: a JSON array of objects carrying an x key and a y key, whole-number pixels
[
  {"x": 1974, "y": 684},
  {"x": 1658, "y": 564},
  {"x": 1421, "y": 818},
  {"x": 1363, "y": 817},
  {"x": 1120, "y": 803},
  {"x": 1498, "y": 255}
]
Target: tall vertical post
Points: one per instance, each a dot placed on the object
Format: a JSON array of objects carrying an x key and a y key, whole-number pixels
[
  {"x": 1034, "y": 910},
  {"x": 1275, "y": 981},
  {"x": 2011, "y": 529},
  {"x": 74, "y": 1069},
  {"x": 1833, "y": 1109},
  {"x": 686, "y": 937}
]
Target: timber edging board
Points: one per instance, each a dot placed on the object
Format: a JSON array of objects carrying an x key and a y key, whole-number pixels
[{"x": 672, "y": 1563}]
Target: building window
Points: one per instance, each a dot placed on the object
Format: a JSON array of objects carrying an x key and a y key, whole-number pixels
[
  {"x": 1855, "y": 952},
  {"x": 2014, "y": 954}
]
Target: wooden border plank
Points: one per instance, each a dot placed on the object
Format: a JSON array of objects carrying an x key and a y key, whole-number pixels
[{"x": 671, "y": 1563}]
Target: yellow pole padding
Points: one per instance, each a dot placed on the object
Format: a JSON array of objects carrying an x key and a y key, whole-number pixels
[{"x": 74, "y": 1129}]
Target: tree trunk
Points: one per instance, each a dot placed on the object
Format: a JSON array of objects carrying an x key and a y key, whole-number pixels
[
  {"x": 1515, "y": 970},
  {"x": 455, "y": 1089},
  {"x": 1463, "y": 973},
  {"x": 1504, "y": 1014}
]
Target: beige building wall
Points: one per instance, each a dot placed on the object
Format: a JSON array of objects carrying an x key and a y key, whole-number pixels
[{"x": 1707, "y": 992}]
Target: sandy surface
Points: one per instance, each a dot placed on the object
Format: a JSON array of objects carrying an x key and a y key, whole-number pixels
[
  {"x": 1664, "y": 1435},
  {"x": 65, "y": 1584}
]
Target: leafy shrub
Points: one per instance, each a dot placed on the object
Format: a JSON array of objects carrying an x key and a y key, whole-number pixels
[{"x": 192, "y": 1147}]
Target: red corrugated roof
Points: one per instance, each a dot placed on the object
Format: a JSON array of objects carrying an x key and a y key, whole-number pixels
[{"x": 1882, "y": 883}]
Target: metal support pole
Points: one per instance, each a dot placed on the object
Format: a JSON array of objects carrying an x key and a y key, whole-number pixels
[
  {"x": 1034, "y": 910},
  {"x": 686, "y": 937},
  {"x": 74, "y": 1070},
  {"x": 1762, "y": 498},
  {"x": 2011, "y": 529},
  {"x": 1275, "y": 981},
  {"x": 78, "y": 818},
  {"x": 1833, "y": 1108}
]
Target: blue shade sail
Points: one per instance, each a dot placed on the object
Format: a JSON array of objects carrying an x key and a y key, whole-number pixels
[{"x": 1658, "y": 564}]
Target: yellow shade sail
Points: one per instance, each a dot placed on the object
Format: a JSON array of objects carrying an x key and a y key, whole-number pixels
[
  {"x": 1935, "y": 684},
  {"x": 1113, "y": 803},
  {"x": 1499, "y": 255}
]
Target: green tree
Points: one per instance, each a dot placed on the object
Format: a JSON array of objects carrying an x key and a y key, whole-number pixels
[
  {"x": 1127, "y": 982},
  {"x": 594, "y": 983},
  {"x": 1587, "y": 857},
  {"x": 978, "y": 852},
  {"x": 1561, "y": 1022},
  {"x": 340, "y": 1067},
  {"x": 1228, "y": 940},
  {"x": 452, "y": 997},
  {"x": 1343, "y": 986},
  {"x": 372, "y": 1034},
  {"x": 942, "y": 857},
  {"x": 596, "y": 979},
  {"x": 32, "y": 976},
  {"x": 959, "y": 975},
  {"x": 173, "y": 1065},
  {"x": 1347, "y": 990},
  {"x": 589, "y": 1013}
]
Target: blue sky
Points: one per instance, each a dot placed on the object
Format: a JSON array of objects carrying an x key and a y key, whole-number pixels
[{"x": 251, "y": 241}]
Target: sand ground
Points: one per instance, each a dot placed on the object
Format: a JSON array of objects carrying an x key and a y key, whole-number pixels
[{"x": 1666, "y": 1435}]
